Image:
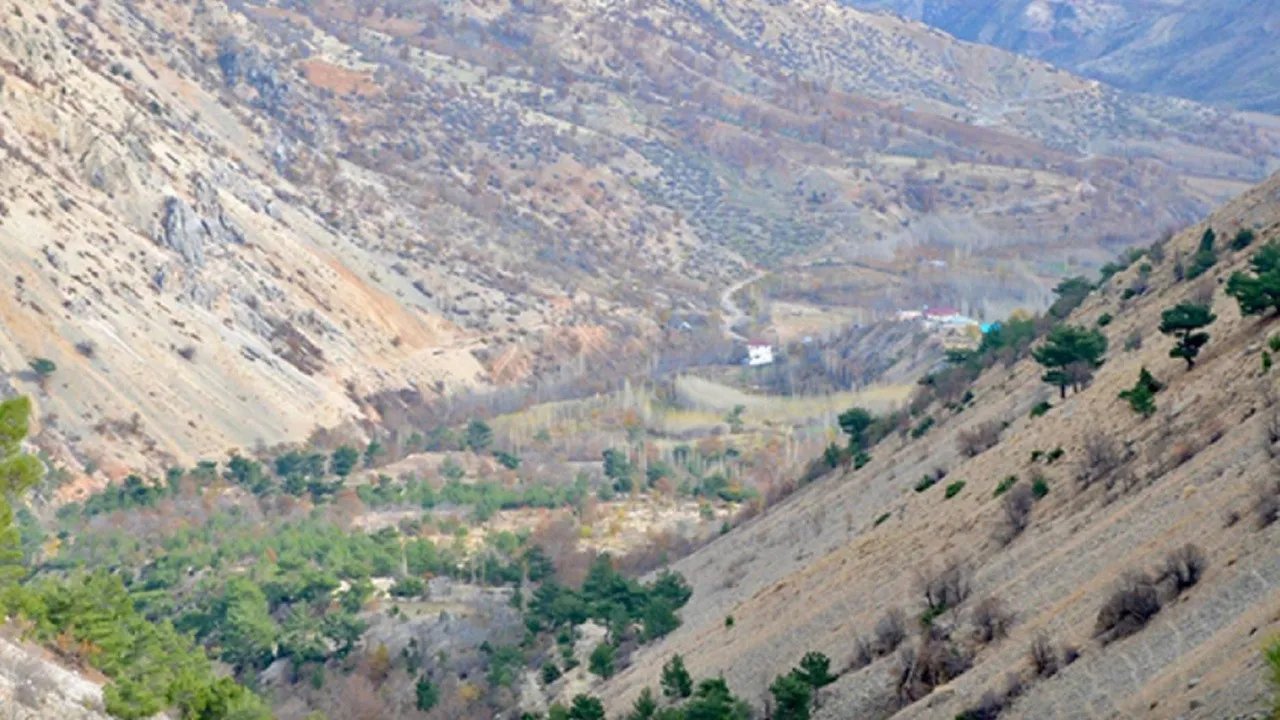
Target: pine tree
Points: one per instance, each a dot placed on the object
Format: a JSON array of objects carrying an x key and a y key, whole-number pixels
[
  {"x": 1070, "y": 355},
  {"x": 1183, "y": 321},
  {"x": 644, "y": 707},
  {"x": 585, "y": 707},
  {"x": 815, "y": 669},
  {"x": 676, "y": 682},
  {"x": 792, "y": 696}
]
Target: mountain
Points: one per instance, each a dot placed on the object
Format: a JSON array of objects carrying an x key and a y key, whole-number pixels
[
  {"x": 1220, "y": 53},
  {"x": 228, "y": 225},
  {"x": 930, "y": 521}
]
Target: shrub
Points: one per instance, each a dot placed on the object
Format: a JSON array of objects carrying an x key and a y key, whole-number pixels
[
  {"x": 1039, "y": 487},
  {"x": 87, "y": 348},
  {"x": 1273, "y": 342},
  {"x": 890, "y": 631},
  {"x": 947, "y": 588},
  {"x": 953, "y": 489},
  {"x": 933, "y": 662},
  {"x": 1128, "y": 609},
  {"x": 600, "y": 662},
  {"x": 925, "y": 483},
  {"x": 1104, "y": 319},
  {"x": 1005, "y": 484},
  {"x": 1266, "y": 503},
  {"x": 1055, "y": 455},
  {"x": 728, "y": 621},
  {"x": 408, "y": 587},
  {"x": 1041, "y": 408},
  {"x": 1043, "y": 656},
  {"x": 1184, "y": 566},
  {"x": 880, "y": 520},
  {"x": 1244, "y": 237},
  {"x": 979, "y": 438},
  {"x": 187, "y": 352},
  {"x": 1133, "y": 341},
  {"x": 1016, "y": 509},
  {"x": 991, "y": 619},
  {"x": 863, "y": 653},
  {"x": 922, "y": 427},
  {"x": 1101, "y": 458},
  {"x": 1205, "y": 256},
  {"x": 1142, "y": 396}
]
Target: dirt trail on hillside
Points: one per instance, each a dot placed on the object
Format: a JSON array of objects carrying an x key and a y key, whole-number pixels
[{"x": 733, "y": 314}]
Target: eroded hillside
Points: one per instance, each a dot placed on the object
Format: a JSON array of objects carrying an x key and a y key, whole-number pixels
[
  {"x": 228, "y": 224},
  {"x": 1119, "y": 493}
]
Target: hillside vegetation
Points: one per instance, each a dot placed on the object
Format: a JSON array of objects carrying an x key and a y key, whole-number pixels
[
  {"x": 230, "y": 223},
  {"x": 1107, "y": 554}
]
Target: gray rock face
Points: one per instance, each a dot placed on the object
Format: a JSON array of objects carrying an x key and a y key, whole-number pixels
[
  {"x": 182, "y": 231},
  {"x": 191, "y": 231}
]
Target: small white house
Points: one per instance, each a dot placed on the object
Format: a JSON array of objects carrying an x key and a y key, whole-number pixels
[{"x": 759, "y": 353}]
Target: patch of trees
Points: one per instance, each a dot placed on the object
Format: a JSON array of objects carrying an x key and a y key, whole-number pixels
[
  {"x": 682, "y": 699},
  {"x": 1258, "y": 291},
  {"x": 93, "y": 620},
  {"x": 612, "y": 599}
]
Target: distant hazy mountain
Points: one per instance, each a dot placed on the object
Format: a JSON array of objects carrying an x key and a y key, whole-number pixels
[{"x": 1220, "y": 52}]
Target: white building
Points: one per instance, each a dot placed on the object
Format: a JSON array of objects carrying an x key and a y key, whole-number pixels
[{"x": 759, "y": 353}]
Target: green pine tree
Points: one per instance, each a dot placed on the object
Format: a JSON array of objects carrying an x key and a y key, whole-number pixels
[{"x": 1183, "y": 321}]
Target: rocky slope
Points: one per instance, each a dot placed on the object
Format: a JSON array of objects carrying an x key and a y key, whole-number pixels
[
  {"x": 228, "y": 224},
  {"x": 820, "y": 570},
  {"x": 33, "y": 686},
  {"x": 1219, "y": 53}
]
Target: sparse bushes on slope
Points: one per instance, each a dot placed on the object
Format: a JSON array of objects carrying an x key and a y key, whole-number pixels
[
  {"x": 947, "y": 588},
  {"x": 977, "y": 439},
  {"x": 1046, "y": 659},
  {"x": 1015, "y": 509},
  {"x": 1184, "y": 566},
  {"x": 1101, "y": 458},
  {"x": 933, "y": 661},
  {"x": 890, "y": 631},
  {"x": 1131, "y": 605},
  {"x": 991, "y": 619}
]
